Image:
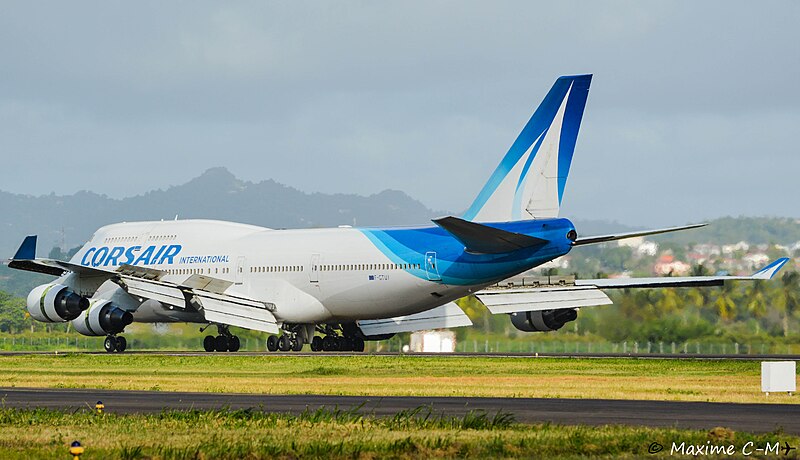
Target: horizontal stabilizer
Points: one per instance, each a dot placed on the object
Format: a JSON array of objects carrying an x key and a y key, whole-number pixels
[
  {"x": 483, "y": 239},
  {"x": 447, "y": 316},
  {"x": 536, "y": 299},
  {"x": 622, "y": 236}
]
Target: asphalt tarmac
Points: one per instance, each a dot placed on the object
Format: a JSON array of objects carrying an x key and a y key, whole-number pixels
[
  {"x": 743, "y": 357},
  {"x": 757, "y": 418}
]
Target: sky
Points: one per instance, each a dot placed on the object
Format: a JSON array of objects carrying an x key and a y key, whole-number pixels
[{"x": 693, "y": 112}]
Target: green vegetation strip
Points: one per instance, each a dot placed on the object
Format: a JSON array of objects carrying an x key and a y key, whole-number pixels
[
  {"x": 334, "y": 434},
  {"x": 647, "y": 379}
]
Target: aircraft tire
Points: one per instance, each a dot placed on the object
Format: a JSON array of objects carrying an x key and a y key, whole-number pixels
[
  {"x": 284, "y": 344},
  {"x": 208, "y": 343},
  {"x": 345, "y": 344},
  {"x": 110, "y": 344},
  {"x": 122, "y": 344},
  {"x": 234, "y": 343},
  {"x": 272, "y": 343},
  {"x": 358, "y": 344},
  {"x": 329, "y": 343},
  {"x": 221, "y": 343},
  {"x": 297, "y": 344},
  {"x": 316, "y": 343}
]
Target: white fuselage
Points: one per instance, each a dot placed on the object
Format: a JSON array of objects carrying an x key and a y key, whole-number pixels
[{"x": 310, "y": 275}]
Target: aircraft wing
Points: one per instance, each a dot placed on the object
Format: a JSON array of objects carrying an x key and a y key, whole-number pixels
[
  {"x": 499, "y": 300},
  {"x": 765, "y": 273},
  {"x": 217, "y": 307},
  {"x": 198, "y": 292},
  {"x": 549, "y": 293}
]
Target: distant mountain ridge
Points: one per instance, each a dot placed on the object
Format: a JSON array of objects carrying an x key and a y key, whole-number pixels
[
  {"x": 218, "y": 194},
  {"x": 215, "y": 194}
]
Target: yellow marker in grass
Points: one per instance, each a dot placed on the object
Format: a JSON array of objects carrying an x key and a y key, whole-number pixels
[
  {"x": 99, "y": 407},
  {"x": 76, "y": 450}
]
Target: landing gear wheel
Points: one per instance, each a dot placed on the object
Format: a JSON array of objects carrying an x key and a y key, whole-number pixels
[
  {"x": 358, "y": 344},
  {"x": 234, "y": 343},
  {"x": 272, "y": 343},
  {"x": 297, "y": 344},
  {"x": 110, "y": 344},
  {"x": 329, "y": 343},
  {"x": 122, "y": 344},
  {"x": 345, "y": 344},
  {"x": 284, "y": 344},
  {"x": 221, "y": 343},
  {"x": 316, "y": 343},
  {"x": 208, "y": 343}
]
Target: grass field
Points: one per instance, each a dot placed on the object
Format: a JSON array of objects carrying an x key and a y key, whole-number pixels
[
  {"x": 28, "y": 434},
  {"x": 651, "y": 379}
]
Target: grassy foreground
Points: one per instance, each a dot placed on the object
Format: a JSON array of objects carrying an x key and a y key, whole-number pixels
[
  {"x": 333, "y": 434},
  {"x": 650, "y": 379}
]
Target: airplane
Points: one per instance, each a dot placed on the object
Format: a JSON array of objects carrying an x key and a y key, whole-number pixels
[{"x": 336, "y": 288}]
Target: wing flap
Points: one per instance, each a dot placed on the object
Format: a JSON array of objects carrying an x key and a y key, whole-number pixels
[
  {"x": 514, "y": 300},
  {"x": 446, "y": 316},
  {"x": 234, "y": 314},
  {"x": 167, "y": 294}
]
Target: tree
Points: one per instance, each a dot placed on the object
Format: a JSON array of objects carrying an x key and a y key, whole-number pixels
[
  {"x": 757, "y": 299},
  {"x": 788, "y": 297},
  {"x": 725, "y": 304},
  {"x": 12, "y": 313}
]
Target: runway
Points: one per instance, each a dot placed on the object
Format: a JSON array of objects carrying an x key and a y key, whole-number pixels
[
  {"x": 757, "y": 418},
  {"x": 757, "y": 357}
]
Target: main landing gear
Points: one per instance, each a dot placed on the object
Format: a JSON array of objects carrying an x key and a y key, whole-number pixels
[
  {"x": 334, "y": 342},
  {"x": 115, "y": 343},
  {"x": 285, "y": 342},
  {"x": 337, "y": 343},
  {"x": 224, "y": 341}
]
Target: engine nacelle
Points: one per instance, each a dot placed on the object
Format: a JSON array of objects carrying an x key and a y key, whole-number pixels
[
  {"x": 543, "y": 321},
  {"x": 102, "y": 318},
  {"x": 55, "y": 303}
]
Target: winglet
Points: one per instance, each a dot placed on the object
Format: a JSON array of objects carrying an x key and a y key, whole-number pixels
[
  {"x": 27, "y": 250},
  {"x": 770, "y": 270}
]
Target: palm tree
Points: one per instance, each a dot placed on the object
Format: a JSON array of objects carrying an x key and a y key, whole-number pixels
[
  {"x": 724, "y": 302},
  {"x": 757, "y": 299},
  {"x": 788, "y": 297}
]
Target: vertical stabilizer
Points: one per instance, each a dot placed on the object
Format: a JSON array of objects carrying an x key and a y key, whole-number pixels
[{"x": 529, "y": 182}]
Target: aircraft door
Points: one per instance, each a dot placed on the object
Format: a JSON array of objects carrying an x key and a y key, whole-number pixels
[
  {"x": 238, "y": 274},
  {"x": 431, "y": 266},
  {"x": 313, "y": 272}
]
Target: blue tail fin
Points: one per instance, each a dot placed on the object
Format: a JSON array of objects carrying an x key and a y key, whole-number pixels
[{"x": 529, "y": 182}]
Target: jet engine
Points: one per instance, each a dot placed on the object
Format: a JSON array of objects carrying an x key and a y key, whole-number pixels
[
  {"x": 103, "y": 318},
  {"x": 55, "y": 303},
  {"x": 543, "y": 320}
]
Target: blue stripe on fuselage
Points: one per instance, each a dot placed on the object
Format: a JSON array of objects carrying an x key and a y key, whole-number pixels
[{"x": 458, "y": 267}]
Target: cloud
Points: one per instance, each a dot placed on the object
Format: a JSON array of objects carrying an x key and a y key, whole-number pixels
[{"x": 424, "y": 97}]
